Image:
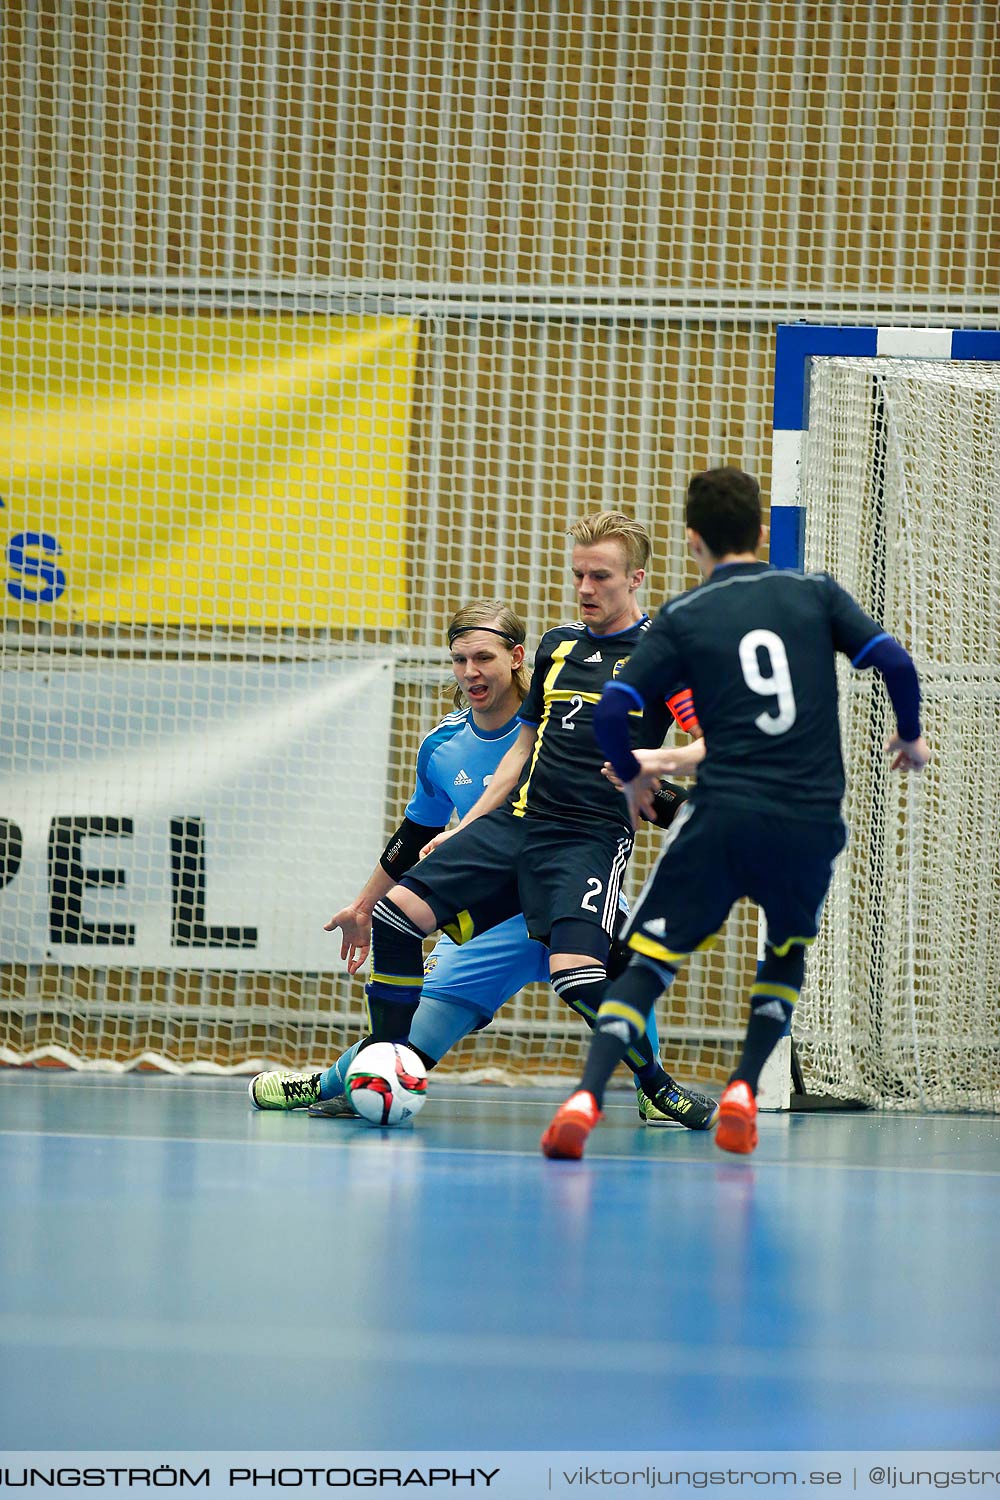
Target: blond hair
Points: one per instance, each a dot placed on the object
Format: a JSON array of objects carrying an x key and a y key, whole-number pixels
[
  {"x": 611, "y": 525},
  {"x": 500, "y": 620}
]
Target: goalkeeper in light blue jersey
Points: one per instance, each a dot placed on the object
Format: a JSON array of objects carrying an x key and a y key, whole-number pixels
[{"x": 464, "y": 985}]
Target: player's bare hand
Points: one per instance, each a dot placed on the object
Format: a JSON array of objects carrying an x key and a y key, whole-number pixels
[
  {"x": 436, "y": 842},
  {"x": 356, "y": 926},
  {"x": 639, "y": 803},
  {"x": 608, "y": 771},
  {"x": 639, "y": 796},
  {"x": 907, "y": 755}
]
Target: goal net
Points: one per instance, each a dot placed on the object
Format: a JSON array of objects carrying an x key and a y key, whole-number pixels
[
  {"x": 901, "y": 492},
  {"x": 319, "y": 321},
  {"x": 305, "y": 345}
]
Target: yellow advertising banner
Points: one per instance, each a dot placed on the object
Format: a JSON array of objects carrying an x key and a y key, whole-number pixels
[{"x": 236, "y": 471}]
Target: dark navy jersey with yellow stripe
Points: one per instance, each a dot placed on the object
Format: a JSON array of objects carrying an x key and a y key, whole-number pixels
[
  {"x": 562, "y": 779},
  {"x": 758, "y": 646}
]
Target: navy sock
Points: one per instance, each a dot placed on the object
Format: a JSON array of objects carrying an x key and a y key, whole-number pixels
[
  {"x": 620, "y": 1023},
  {"x": 772, "y": 998},
  {"x": 763, "y": 1035},
  {"x": 583, "y": 989}
]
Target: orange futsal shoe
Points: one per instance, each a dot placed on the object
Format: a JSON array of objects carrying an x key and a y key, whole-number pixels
[
  {"x": 737, "y": 1127},
  {"x": 571, "y": 1125}
]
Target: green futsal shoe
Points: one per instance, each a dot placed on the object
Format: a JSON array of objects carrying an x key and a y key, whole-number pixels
[
  {"x": 284, "y": 1090},
  {"x": 673, "y": 1105}
]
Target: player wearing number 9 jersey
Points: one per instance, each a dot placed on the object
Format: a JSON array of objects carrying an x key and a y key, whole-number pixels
[{"x": 757, "y": 647}]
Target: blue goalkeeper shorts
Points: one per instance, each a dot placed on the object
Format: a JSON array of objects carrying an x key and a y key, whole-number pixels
[{"x": 486, "y": 972}]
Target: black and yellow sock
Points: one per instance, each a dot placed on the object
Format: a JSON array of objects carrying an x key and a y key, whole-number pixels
[
  {"x": 772, "y": 1001},
  {"x": 583, "y": 990},
  {"x": 620, "y": 1023},
  {"x": 393, "y": 991}
]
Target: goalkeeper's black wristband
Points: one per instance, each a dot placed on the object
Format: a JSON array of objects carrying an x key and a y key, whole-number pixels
[
  {"x": 403, "y": 849},
  {"x": 667, "y": 800}
]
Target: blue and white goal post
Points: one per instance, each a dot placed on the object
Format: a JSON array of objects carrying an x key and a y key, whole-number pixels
[{"x": 796, "y": 347}]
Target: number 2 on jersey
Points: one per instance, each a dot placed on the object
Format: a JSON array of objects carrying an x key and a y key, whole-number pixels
[
  {"x": 777, "y": 683},
  {"x": 576, "y": 703}
]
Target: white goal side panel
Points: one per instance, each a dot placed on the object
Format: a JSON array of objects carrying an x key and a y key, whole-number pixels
[{"x": 901, "y": 489}]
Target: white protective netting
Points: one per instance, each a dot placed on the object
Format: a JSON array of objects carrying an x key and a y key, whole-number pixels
[
  {"x": 901, "y": 484},
  {"x": 320, "y": 320}
]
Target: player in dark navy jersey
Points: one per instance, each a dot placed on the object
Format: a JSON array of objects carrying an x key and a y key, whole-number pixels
[
  {"x": 550, "y": 837},
  {"x": 757, "y": 647},
  {"x": 572, "y": 666}
]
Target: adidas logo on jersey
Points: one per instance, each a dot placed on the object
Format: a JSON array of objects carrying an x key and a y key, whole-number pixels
[
  {"x": 463, "y": 779},
  {"x": 657, "y": 927},
  {"x": 596, "y": 657}
]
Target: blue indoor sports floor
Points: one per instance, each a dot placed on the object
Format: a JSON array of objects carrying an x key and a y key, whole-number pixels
[{"x": 180, "y": 1272}]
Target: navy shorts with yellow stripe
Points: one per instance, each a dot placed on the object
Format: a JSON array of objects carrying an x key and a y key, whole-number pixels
[
  {"x": 470, "y": 883},
  {"x": 714, "y": 856},
  {"x": 499, "y": 865}
]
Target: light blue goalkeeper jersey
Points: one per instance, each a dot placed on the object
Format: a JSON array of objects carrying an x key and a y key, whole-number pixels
[{"x": 454, "y": 764}]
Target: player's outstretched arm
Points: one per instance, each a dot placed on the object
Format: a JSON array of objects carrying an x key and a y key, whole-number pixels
[
  {"x": 907, "y": 746},
  {"x": 355, "y": 919},
  {"x": 673, "y": 760},
  {"x": 907, "y": 755},
  {"x": 505, "y": 779},
  {"x": 678, "y": 760},
  {"x": 611, "y": 727}
]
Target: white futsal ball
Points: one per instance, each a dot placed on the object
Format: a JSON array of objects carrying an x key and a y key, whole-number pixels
[{"x": 387, "y": 1083}]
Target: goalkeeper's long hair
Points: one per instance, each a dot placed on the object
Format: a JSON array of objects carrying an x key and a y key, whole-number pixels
[{"x": 498, "y": 618}]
